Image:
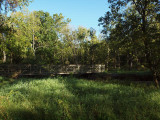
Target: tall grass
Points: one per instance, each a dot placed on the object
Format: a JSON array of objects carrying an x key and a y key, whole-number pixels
[{"x": 77, "y": 99}]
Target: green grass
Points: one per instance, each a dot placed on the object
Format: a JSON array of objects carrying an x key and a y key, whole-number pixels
[
  {"x": 147, "y": 72},
  {"x": 77, "y": 99}
]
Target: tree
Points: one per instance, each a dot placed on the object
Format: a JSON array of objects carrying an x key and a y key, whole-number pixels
[
  {"x": 5, "y": 7},
  {"x": 46, "y": 37},
  {"x": 60, "y": 22},
  {"x": 11, "y": 5},
  {"x": 22, "y": 35},
  {"x": 145, "y": 14}
]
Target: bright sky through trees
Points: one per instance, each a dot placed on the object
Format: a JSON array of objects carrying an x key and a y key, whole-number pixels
[{"x": 81, "y": 12}]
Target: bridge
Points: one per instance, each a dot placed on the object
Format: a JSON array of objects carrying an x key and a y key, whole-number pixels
[{"x": 33, "y": 70}]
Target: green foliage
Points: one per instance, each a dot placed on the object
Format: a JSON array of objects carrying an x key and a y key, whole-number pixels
[
  {"x": 38, "y": 38},
  {"x": 71, "y": 98},
  {"x": 130, "y": 40},
  {"x": 132, "y": 31},
  {"x": 60, "y": 22},
  {"x": 11, "y": 5}
]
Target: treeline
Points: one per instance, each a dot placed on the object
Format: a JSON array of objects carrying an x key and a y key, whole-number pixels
[
  {"x": 39, "y": 38},
  {"x": 132, "y": 29},
  {"x": 130, "y": 40}
]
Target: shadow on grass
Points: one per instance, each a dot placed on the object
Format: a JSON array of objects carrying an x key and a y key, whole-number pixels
[
  {"x": 41, "y": 105},
  {"x": 71, "y": 98},
  {"x": 10, "y": 81},
  {"x": 115, "y": 101}
]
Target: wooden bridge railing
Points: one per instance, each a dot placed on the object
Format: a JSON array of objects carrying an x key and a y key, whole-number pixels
[{"x": 49, "y": 69}]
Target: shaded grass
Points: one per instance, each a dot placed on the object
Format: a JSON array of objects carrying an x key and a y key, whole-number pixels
[
  {"x": 5, "y": 81},
  {"x": 135, "y": 72},
  {"x": 71, "y": 98}
]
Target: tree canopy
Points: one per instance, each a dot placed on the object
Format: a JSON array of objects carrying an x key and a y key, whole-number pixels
[
  {"x": 132, "y": 29},
  {"x": 130, "y": 37}
]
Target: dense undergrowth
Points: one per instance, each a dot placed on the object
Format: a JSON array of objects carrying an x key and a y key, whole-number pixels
[{"x": 77, "y": 99}]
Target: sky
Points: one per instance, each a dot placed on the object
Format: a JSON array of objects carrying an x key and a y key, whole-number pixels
[{"x": 81, "y": 12}]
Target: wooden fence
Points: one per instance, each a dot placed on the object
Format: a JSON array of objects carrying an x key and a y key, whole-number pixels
[{"x": 22, "y": 70}]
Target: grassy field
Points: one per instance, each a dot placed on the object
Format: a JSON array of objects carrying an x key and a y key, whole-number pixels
[{"x": 77, "y": 99}]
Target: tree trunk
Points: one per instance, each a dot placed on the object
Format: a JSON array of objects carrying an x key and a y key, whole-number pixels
[
  {"x": 4, "y": 52},
  {"x": 119, "y": 62},
  {"x": 155, "y": 78},
  {"x": 107, "y": 65},
  {"x": 115, "y": 60},
  {"x": 107, "y": 60},
  {"x": 33, "y": 44},
  {"x": 131, "y": 64},
  {"x": 11, "y": 58},
  {"x": 4, "y": 57},
  {"x": 115, "y": 64}
]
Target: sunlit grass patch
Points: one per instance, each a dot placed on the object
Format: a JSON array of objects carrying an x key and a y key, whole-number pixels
[{"x": 71, "y": 98}]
